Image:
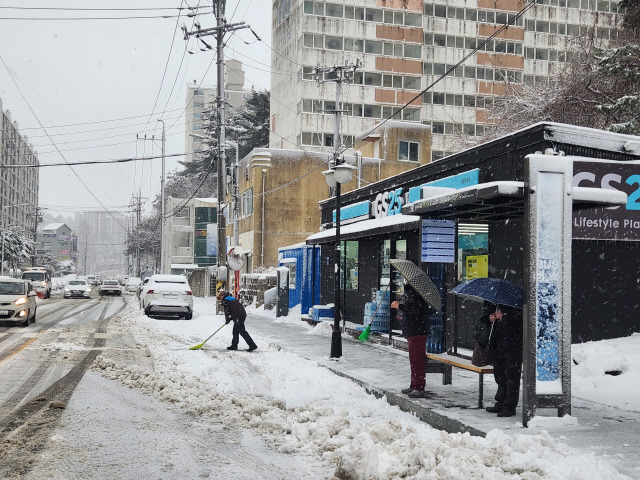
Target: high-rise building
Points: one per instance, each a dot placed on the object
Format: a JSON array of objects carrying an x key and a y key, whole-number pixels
[
  {"x": 18, "y": 186},
  {"x": 200, "y": 99},
  {"x": 405, "y": 46},
  {"x": 101, "y": 237}
]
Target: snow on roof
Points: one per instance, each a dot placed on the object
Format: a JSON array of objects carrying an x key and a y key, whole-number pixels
[
  {"x": 184, "y": 265},
  {"x": 366, "y": 225},
  {"x": 54, "y": 226}
]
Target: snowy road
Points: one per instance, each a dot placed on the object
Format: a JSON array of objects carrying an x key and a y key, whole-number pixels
[{"x": 151, "y": 408}]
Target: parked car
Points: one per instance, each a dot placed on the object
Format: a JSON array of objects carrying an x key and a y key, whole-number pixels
[
  {"x": 17, "y": 300},
  {"x": 167, "y": 295},
  {"x": 110, "y": 287},
  {"x": 93, "y": 280},
  {"x": 131, "y": 285},
  {"x": 78, "y": 288}
]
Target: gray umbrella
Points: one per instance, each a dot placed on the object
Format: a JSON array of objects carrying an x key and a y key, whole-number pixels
[{"x": 419, "y": 280}]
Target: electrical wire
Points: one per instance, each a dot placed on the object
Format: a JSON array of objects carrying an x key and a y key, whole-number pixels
[
  {"x": 91, "y": 162},
  {"x": 66, "y": 19}
]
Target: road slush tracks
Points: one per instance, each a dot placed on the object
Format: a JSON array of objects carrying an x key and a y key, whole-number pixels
[{"x": 25, "y": 428}]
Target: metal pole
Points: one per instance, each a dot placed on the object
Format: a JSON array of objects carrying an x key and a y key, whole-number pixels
[
  {"x": 162, "y": 266},
  {"x": 236, "y": 191}
]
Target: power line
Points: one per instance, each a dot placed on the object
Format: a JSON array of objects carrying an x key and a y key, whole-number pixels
[
  {"x": 91, "y": 162},
  {"x": 65, "y": 19}
]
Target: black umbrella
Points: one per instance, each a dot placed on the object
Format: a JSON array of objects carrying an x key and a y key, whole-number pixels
[
  {"x": 494, "y": 290},
  {"x": 419, "y": 280}
]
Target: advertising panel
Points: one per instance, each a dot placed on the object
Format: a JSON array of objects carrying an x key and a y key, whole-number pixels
[{"x": 608, "y": 223}]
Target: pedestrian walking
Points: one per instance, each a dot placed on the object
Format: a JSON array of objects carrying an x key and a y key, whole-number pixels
[
  {"x": 415, "y": 313},
  {"x": 506, "y": 348},
  {"x": 234, "y": 311}
]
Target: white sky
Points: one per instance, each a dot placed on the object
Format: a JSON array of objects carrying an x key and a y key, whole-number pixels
[{"x": 83, "y": 71}]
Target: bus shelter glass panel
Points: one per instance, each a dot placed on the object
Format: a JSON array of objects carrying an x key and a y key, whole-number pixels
[
  {"x": 385, "y": 270},
  {"x": 473, "y": 251}
]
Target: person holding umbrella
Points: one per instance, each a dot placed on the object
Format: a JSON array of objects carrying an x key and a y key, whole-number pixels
[
  {"x": 506, "y": 347},
  {"x": 505, "y": 344},
  {"x": 416, "y": 313}
]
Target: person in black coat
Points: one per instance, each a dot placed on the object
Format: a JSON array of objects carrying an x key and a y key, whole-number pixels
[
  {"x": 415, "y": 312},
  {"x": 506, "y": 348},
  {"x": 234, "y": 311}
]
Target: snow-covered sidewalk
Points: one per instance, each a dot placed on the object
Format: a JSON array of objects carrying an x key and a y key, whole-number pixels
[{"x": 299, "y": 407}]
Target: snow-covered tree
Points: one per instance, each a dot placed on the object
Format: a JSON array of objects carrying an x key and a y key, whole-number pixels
[
  {"x": 18, "y": 246},
  {"x": 145, "y": 238},
  {"x": 620, "y": 68},
  {"x": 248, "y": 125}
]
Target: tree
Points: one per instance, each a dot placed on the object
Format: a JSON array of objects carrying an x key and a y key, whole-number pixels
[
  {"x": 18, "y": 245},
  {"x": 145, "y": 238},
  {"x": 248, "y": 125},
  {"x": 620, "y": 68}
]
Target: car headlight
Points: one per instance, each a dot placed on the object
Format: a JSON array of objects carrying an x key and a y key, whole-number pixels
[
  {"x": 21, "y": 301},
  {"x": 66, "y": 289},
  {"x": 88, "y": 290}
]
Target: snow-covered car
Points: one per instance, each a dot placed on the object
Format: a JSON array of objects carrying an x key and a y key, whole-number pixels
[
  {"x": 78, "y": 288},
  {"x": 131, "y": 285},
  {"x": 17, "y": 300},
  {"x": 110, "y": 287},
  {"x": 167, "y": 295}
]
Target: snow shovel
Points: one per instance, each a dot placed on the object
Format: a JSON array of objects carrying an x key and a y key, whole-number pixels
[
  {"x": 364, "y": 336},
  {"x": 200, "y": 345}
]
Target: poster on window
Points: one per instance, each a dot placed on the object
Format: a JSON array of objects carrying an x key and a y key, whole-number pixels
[
  {"x": 477, "y": 266},
  {"x": 212, "y": 239}
]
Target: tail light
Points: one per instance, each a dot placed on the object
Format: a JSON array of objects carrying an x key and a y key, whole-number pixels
[
  {"x": 150, "y": 290},
  {"x": 189, "y": 292}
]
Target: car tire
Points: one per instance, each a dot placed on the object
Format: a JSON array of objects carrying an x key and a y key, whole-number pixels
[
  {"x": 33, "y": 317},
  {"x": 188, "y": 316}
]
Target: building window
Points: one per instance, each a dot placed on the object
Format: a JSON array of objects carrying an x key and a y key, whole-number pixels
[
  {"x": 247, "y": 203},
  {"x": 409, "y": 151}
]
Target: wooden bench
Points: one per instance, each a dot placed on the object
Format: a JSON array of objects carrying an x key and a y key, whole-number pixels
[{"x": 459, "y": 362}]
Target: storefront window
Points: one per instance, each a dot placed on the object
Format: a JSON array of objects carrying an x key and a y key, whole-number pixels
[
  {"x": 473, "y": 251},
  {"x": 385, "y": 272},
  {"x": 351, "y": 264},
  {"x": 398, "y": 283}
]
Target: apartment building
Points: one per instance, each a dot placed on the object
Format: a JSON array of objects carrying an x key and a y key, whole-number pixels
[
  {"x": 101, "y": 235},
  {"x": 18, "y": 186},
  {"x": 404, "y": 47},
  {"x": 200, "y": 98},
  {"x": 59, "y": 240}
]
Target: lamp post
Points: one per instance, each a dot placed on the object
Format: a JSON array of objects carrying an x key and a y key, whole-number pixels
[{"x": 335, "y": 177}]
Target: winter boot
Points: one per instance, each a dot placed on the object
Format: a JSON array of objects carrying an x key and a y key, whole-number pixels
[
  {"x": 416, "y": 394},
  {"x": 497, "y": 408},
  {"x": 407, "y": 390}
]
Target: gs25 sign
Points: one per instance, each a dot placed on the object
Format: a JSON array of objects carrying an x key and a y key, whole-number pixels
[{"x": 610, "y": 223}]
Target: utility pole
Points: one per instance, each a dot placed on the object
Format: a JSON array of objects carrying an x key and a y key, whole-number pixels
[
  {"x": 37, "y": 219},
  {"x": 221, "y": 28},
  {"x": 341, "y": 73},
  {"x": 162, "y": 266}
]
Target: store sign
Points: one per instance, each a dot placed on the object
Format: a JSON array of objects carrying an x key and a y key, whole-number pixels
[
  {"x": 438, "y": 243},
  {"x": 610, "y": 223},
  {"x": 461, "y": 180},
  {"x": 387, "y": 203}
]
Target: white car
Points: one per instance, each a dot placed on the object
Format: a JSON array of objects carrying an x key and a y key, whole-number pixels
[
  {"x": 167, "y": 295},
  {"x": 77, "y": 288},
  {"x": 110, "y": 287},
  {"x": 17, "y": 301},
  {"x": 131, "y": 285}
]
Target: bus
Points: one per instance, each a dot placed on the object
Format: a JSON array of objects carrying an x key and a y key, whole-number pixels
[{"x": 40, "y": 279}]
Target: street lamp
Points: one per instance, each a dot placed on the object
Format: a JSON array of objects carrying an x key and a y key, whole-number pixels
[
  {"x": 4, "y": 232},
  {"x": 336, "y": 176}
]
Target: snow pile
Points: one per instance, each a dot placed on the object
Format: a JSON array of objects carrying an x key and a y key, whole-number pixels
[
  {"x": 608, "y": 372},
  {"x": 302, "y": 408}
]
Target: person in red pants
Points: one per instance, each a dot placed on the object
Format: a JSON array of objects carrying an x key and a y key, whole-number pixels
[{"x": 415, "y": 311}]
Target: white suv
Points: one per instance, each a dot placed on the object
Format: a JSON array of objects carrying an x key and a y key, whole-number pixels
[{"x": 167, "y": 295}]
